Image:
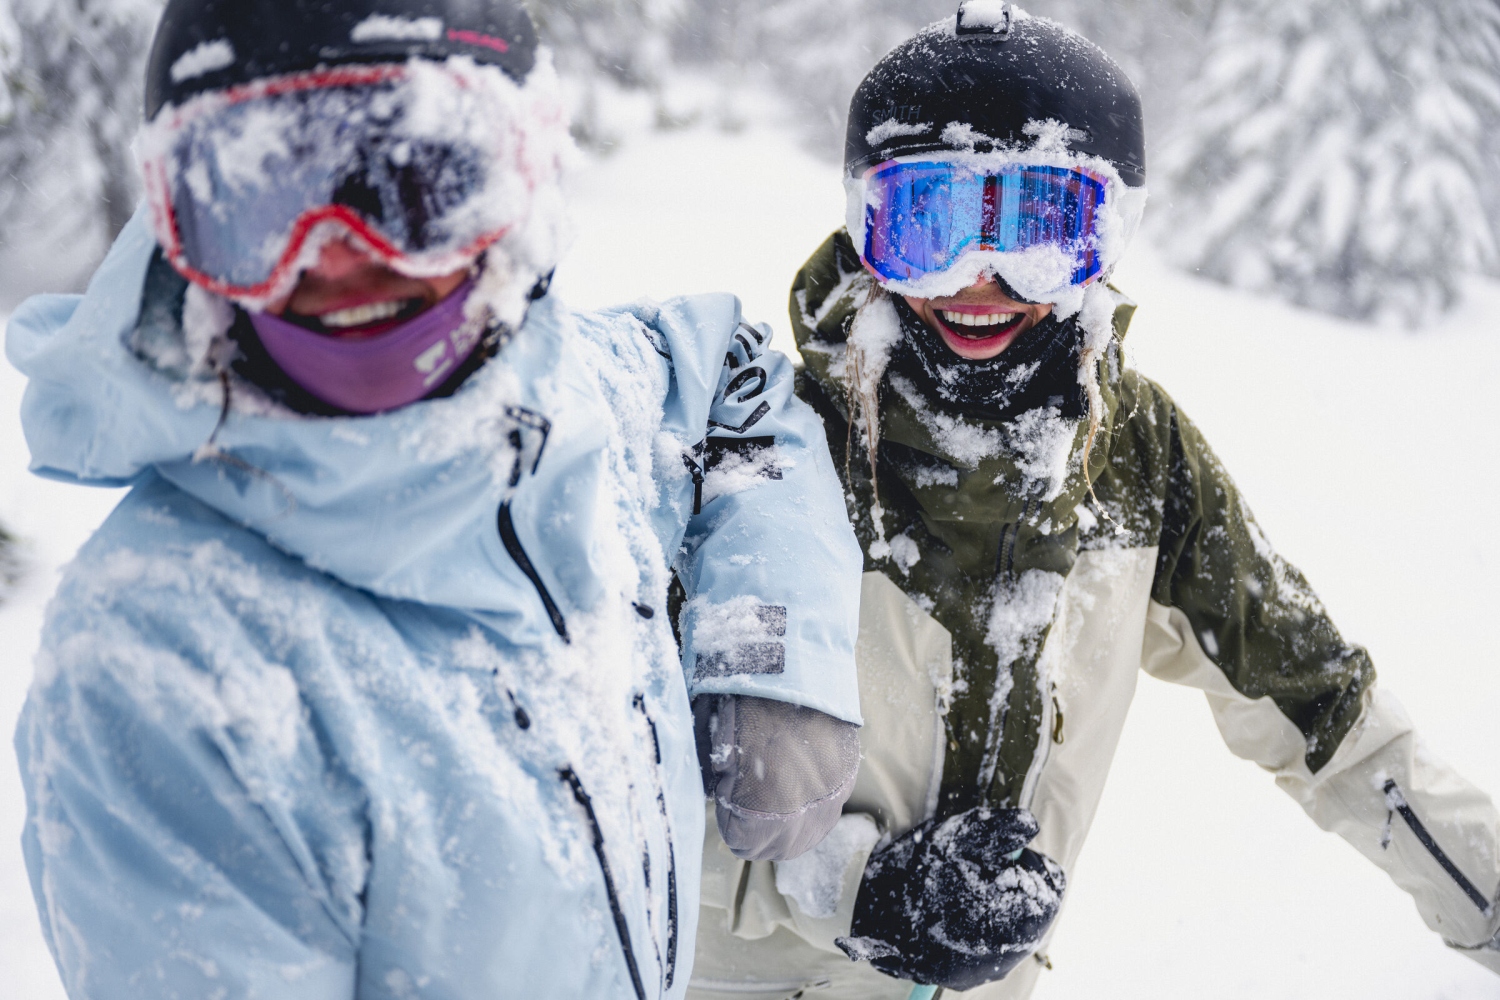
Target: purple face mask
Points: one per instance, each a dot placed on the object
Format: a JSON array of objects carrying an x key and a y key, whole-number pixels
[{"x": 377, "y": 373}]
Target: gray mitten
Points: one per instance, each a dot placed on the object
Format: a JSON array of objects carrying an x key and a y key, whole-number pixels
[{"x": 779, "y": 774}]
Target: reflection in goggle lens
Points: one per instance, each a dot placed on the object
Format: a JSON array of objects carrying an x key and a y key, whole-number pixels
[{"x": 922, "y": 216}]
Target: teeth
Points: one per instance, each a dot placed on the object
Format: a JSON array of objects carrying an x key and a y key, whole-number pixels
[
  {"x": 371, "y": 312},
  {"x": 973, "y": 319}
]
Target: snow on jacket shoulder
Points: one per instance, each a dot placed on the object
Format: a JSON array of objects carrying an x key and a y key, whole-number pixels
[{"x": 389, "y": 706}]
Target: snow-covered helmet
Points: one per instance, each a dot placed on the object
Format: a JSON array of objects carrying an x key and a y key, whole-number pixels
[
  {"x": 1033, "y": 136},
  {"x": 996, "y": 75},
  {"x": 204, "y": 45}
]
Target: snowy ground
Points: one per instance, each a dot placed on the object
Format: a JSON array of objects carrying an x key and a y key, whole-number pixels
[{"x": 1370, "y": 460}]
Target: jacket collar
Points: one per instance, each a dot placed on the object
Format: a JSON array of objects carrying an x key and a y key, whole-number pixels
[{"x": 402, "y": 504}]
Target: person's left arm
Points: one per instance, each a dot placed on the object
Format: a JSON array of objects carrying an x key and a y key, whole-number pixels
[
  {"x": 1231, "y": 617},
  {"x": 770, "y": 571}
]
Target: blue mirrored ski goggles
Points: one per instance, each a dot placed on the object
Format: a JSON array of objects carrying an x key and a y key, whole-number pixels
[{"x": 921, "y": 216}]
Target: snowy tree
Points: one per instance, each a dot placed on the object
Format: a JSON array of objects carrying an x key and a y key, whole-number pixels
[
  {"x": 1491, "y": 190},
  {"x": 716, "y": 61},
  {"x": 73, "y": 75},
  {"x": 813, "y": 54},
  {"x": 11, "y": 563},
  {"x": 607, "y": 51},
  {"x": 1159, "y": 44},
  {"x": 10, "y": 57},
  {"x": 1334, "y": 153}
]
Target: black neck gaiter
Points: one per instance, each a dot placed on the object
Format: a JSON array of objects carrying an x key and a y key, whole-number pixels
[{"x": 1039, "y": 369}]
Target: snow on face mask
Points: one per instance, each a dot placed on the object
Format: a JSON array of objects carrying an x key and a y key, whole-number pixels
[
  {"x": 1047, "y": 221},
  {"x": 422, "y": 165}
]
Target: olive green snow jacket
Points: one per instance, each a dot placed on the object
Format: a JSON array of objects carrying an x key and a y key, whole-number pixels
[
  {"x": 993, "y": 532},
  {"x": 1005, "y": 614}
]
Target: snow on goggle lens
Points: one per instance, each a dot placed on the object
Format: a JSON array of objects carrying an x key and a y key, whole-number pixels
[
  {"x": 244, "y": 185},
  {"x": 920, "y": 217}
]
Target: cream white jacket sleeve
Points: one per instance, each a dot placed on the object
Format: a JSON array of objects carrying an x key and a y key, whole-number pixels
[{"x": 1433, "y": 833}]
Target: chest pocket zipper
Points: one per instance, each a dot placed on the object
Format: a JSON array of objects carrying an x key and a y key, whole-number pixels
[
  {"x": 512, "y": 545},
  {"x": 527, "y": 438}
]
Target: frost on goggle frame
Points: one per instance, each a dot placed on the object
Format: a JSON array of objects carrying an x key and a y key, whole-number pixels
[
  {"x": 920, "y": 217},
  {"x": 406, "y": 165}
]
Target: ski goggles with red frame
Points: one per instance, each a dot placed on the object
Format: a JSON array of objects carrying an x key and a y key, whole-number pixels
[
  {"x": 241, "y": 180},
  {"x": 921, "y": 216}
]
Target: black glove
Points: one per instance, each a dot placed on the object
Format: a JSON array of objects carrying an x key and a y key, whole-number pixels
[
  {"x": 956, "y": 903},
  {"x": 779, "y": 774}
]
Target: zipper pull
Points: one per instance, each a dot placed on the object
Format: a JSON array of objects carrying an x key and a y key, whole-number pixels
[{"x": 695, "y": 470}]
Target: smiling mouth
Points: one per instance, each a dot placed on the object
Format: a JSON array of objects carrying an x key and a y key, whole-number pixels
[
  {"x": 979, "y": 326},
  {"x": 364, "y": 320}
]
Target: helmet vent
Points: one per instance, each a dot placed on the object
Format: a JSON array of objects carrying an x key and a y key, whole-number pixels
[{"x": 984, "y": 20}]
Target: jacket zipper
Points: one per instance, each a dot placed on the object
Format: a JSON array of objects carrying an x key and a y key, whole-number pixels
[
  {"x": 1396, "y": 803},
  {"x": 666, "y": 819},
  {"x": 622, "y": 928},
  {"x": 1046, "y": 736},
  {"x": 512, "y": 544},
  {"x": 532, "y": 421},
  {"x": 695, "y": 470},
  {"x": 1005, "y": 553}
]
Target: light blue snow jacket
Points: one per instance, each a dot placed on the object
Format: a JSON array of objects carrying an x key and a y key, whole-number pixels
[{"x": 389, "y": 706}]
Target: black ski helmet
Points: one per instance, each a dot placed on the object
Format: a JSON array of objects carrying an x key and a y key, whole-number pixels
[
  {"x": 204, "y": 45},
  {"x": 996, "y": 69}
]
